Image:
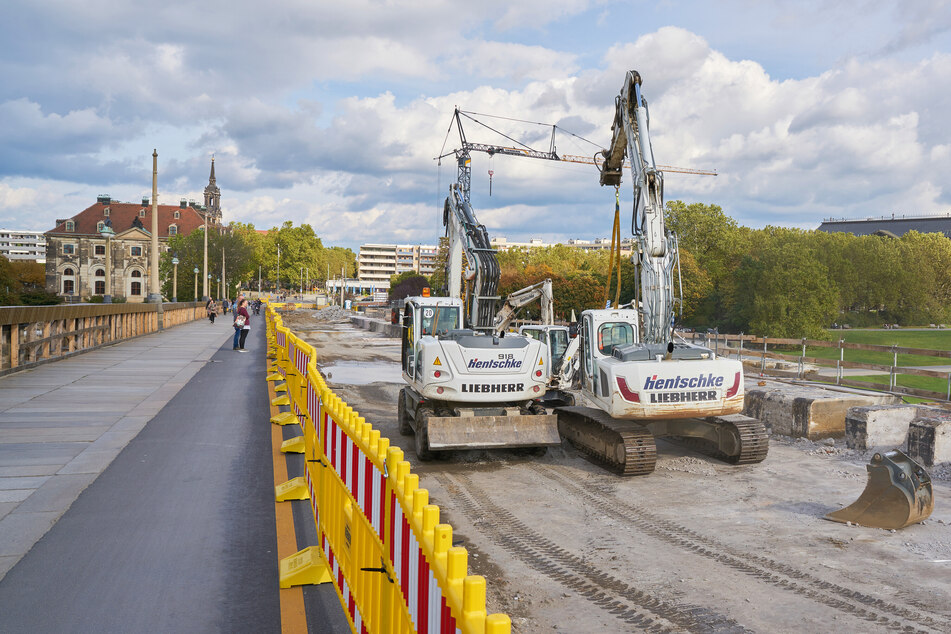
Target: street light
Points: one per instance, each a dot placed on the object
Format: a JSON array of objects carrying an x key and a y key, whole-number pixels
[
  {"x": 218, "y": 279},
  {"x": 205, "y": 280},
  {"x": 175, "y": 279},
  {"x": 107, "y": 233},
  {"x": 196, "y": 283}
]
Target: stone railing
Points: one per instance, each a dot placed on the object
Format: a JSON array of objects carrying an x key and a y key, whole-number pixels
[{"x": 30, "y": 335}]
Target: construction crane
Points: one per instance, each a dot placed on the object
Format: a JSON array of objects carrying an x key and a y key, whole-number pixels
[{"x": 466, "y": 147}]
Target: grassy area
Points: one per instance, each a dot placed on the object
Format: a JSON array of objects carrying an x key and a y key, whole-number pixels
[
  {"x": 932, "y": 384},
  {"x": 930, "y": 339}
]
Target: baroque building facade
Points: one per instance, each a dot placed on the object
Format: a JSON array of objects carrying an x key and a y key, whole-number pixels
[{"x": 76, "y": 259}]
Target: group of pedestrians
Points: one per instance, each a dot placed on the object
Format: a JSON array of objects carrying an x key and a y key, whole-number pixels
[{"x": 241, "y": 318}]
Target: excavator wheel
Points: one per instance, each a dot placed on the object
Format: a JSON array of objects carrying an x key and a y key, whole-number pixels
[
  {"x": 898, "y": 493},
  {"x": 422, "y": 436},
  {"x": 402, "y": 416}
]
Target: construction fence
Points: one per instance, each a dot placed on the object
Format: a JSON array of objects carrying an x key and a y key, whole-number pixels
[{"x": 380, "y": 541}]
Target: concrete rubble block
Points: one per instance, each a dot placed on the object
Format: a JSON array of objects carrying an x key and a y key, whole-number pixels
[
  {"x": 929, "y": 439},
  {"x": 377, "y": 325},
  {"x": 807, "y": 410},
  {"x": 880, "y": 427}
]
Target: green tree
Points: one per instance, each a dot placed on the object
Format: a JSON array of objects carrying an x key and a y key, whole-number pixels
[{"x": 788, "y": 292}]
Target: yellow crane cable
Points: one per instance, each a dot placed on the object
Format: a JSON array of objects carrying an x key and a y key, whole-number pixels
[{"x": 614, "y": 258}]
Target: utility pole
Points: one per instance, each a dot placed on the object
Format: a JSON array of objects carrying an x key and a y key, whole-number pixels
[
  {"x": 205, "y": 276},
  {"x": 259, "y": 279},
  {"x": 278, "y": 268},
  {"x": 155, "y": 293},
  {"x": 343, "y": 282},
  {"x": 224, "y": 283}
]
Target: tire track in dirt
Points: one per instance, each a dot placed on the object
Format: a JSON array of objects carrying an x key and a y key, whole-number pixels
[
  {"x": 780, "y": 575},
  {"x": 633, "y": 607}
]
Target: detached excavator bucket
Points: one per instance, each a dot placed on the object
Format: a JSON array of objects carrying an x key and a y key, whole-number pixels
[{"x": 898, "y": 493}]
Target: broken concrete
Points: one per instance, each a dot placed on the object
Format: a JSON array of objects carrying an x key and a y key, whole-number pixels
[
  {"x": 880, "y": 427},
  {"x": 807, "y": 410},
  {"x": 929, "y": 438},
  {"x": 376, "y": 325}
]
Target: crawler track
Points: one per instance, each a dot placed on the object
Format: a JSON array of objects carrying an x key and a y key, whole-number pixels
[
  {"x": 754, "y": 441},
  {"x": 780, "y": 575},
  {"x": 622, "y": 447},
  {"x": 636, "y": 608}
]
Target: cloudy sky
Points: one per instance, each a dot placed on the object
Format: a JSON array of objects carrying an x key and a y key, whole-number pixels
[{"x": 331, "y": 113}]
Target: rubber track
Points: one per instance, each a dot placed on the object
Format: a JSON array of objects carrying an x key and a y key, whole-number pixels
[
  {"x": 632, "y": 606},
  {"x": 640, "y": 450},
  {"x": 769, "y": 571}
]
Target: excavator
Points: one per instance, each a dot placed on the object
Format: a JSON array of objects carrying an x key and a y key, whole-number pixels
[
  {"x": 637, "y": 381},
  {"x": 559, "y": 347},
  {"x": 469, "y": 385}
]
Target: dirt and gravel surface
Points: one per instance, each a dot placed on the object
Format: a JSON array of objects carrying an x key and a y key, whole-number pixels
[{"x": 699, "y": 545}]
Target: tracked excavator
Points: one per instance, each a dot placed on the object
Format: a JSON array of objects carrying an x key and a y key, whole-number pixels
[
  {"x": 468, "y": 386},
  {"x": 638, "y": 382}
]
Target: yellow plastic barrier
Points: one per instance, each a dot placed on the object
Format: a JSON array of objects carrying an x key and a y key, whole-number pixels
[{"x": 390, "y": 559}]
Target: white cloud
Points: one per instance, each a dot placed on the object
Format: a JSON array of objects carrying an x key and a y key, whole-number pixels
[{"x": 331, "y": 113}]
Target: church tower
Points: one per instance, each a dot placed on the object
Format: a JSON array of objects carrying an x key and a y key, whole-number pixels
[{"x": 213, "y": 197}]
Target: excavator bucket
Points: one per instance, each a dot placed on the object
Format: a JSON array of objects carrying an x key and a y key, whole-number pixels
[{"x": 898, "y": 493}]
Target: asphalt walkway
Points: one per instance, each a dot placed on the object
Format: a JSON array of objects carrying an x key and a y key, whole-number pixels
[{"x": 136, "y": 490}]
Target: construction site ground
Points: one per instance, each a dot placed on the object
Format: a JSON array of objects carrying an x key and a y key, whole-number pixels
[{"x": 699, "y": 545}]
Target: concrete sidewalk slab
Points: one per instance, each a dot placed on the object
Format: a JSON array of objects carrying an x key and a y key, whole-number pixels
[{"x": 63, "y": 423}]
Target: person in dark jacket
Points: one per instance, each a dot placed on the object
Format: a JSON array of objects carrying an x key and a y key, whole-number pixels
[
  {"x": 212, "y": 310},
  {"x": 242, "y": 325}
]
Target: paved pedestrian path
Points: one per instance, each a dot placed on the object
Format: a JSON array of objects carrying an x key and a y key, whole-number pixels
[{"x": 63, "y": 423}]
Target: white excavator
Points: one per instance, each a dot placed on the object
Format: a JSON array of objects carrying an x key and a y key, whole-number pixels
[
  {"x": 468, "y": 385},
  {"x": 638, "y": 382},
  {"x": 560, "y": 349}
]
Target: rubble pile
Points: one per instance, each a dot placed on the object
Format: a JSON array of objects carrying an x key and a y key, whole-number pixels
[{"x": 331, "y": 313}]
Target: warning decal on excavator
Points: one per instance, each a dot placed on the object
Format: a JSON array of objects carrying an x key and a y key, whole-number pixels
[
  {"x": 541, "y": 361},
  {"x": 437, "y": 361}
]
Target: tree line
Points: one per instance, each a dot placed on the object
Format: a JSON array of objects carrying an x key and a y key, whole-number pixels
[
  {"x": 775, "y": 281},
  {"x": 250, "y": 255}
]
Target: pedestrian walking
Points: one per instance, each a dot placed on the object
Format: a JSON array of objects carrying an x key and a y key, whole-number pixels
[
  {"x": 212, "y": 310},
  {"x": 242, "y": 325}
]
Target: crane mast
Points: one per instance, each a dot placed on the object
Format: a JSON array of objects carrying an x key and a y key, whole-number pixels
[{"x": 657, "y": 249}]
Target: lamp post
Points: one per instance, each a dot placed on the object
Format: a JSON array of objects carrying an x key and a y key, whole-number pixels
[
  {"x": 278, "y": 288},
  {"x": 196, "y": 283},
  {"x": 205, "y": 275},
  {"x": 174, "y": 279},
  {"x": 302, "y": 281},
  {"x": 107, "y": 233},
  {"x": 155, "y": 292},
  {"x": 218, "y": 279}
]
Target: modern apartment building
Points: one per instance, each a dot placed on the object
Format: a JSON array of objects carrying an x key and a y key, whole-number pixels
[
  {"x": 23, "y": 245},
  {"x": 502, "y": 244},
  {"x": 379, "y": 262}
]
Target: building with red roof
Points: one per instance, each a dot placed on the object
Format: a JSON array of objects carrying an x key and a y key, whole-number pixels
[{"x": 76, "y": 247}]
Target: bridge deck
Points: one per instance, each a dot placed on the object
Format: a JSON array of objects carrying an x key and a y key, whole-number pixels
[{"x": 152, "y": 461}]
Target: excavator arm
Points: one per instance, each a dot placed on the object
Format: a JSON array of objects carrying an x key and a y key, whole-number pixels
[
  {"x": 515, "y": 301},
  {"x": 468, "y": 237},
  {"x": 657, "y": 251}
]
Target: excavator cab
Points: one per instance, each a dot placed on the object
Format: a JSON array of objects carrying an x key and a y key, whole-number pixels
[
  {"x": 425, "y": 317},
  {"x": 555, "y": 339}
]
